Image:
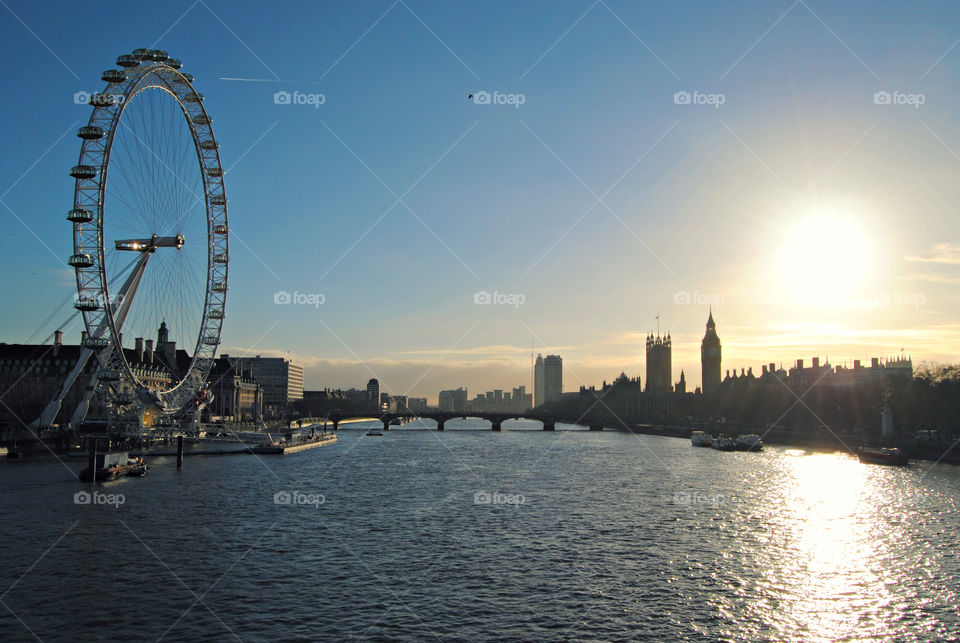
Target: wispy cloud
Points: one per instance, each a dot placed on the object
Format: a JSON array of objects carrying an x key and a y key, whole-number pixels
[{"x": 941, "y": 253}]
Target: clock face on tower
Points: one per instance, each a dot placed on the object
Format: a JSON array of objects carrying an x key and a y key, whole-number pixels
[{"x": 713, "y": 352}]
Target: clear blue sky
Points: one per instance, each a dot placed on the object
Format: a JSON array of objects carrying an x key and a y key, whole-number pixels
[{"x": 708, "y": 202}]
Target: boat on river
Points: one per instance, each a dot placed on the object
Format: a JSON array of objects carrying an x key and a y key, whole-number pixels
[
  {"x": 724, "y": 443},
  {"x": 749, "y": 442},
  {"x": 701, "y": 439},
  {"x": 882, "y": 455},
  {"x": 292, "y": 444},
  {"x": 110, "y": 466}
]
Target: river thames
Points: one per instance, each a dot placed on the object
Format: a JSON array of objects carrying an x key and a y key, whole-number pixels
[{"x": 476, "y": 535}]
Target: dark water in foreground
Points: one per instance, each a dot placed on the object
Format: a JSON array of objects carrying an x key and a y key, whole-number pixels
[{"x": 591, "y": 536}]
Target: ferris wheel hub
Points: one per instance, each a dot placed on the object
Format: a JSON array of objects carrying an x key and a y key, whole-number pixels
[{"x": 151, "y": 244}]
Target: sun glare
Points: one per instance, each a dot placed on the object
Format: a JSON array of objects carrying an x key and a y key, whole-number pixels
[{"x": 825, "y": 257}]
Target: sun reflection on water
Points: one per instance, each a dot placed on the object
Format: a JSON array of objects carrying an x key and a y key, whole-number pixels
[{"x": 828, "y": 572}]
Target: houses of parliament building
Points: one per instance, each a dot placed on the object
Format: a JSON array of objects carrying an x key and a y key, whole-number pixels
[{"x": 626, "y": 397}]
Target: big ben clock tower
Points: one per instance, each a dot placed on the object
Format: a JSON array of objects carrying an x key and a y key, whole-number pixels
[{"x": 710, "y": 358}]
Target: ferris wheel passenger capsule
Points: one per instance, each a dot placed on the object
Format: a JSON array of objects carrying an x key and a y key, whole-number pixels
[
  {"x": 90, "y": 132},
  {"x": 113, "y": 76},
  {"x": 126, "y": 60},
  {"x": 83, "y": 171},
  {"x": 80, "y": 260},
  {"x": 96, "y": 343},
  {"x": 86, "y": 304},
  {"x": 79, "y": 215}
]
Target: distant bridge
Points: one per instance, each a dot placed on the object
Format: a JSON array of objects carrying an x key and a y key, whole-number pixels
[{"x": 496, "y": 419}]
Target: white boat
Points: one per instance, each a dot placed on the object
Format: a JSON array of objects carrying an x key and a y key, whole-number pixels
[
  {"x": 701, "y": 439},
  {"x": 749, "y": 442}
]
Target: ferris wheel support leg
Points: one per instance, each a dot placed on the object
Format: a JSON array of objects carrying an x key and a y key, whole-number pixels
[
  {"x": 50, "y": 413},
  {"x": 127, "y": 293},
  {"x": 80, "y": 413}
]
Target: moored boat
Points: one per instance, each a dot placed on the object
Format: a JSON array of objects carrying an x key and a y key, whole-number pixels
[
  {"x": 882, "y": 455},
  {"x": 292, "y": 444},
  {"x": 723, "y": 443},
  {"x": 749, "y": 442},
  {"x": 701, "y": 439},
  {"x": 110, "y": 466}
]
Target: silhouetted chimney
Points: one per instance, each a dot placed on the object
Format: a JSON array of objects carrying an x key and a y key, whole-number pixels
[
  {"x": 799, "y": 363},
  {"x": 773, "y": 367},
  {"x": 816, "y": 362},
  {"x": 856, "y": 364},
  {"x": 874, "y": 362},
  {"x": 149, "y": 351},
  {"x": 764, "y": 369},
  {"x": 57, "y": 341},
  {"x": 139, "y": 349}
]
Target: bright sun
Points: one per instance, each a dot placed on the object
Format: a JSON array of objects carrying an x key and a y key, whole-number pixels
[{"x": 825, "y": 256}]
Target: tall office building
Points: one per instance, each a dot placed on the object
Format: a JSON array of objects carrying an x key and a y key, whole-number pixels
[
  {"x": 373, "y": 392},
  {"x": 538, "y": 397},
  {"x": 281, "y": 379},
  {"x": 710, "y": 358},
  {"x": 453, "y": 400},
  {"x": 548, "y": 379}
]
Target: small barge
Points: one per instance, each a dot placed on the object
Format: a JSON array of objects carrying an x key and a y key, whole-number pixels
[
  {"x": 292, "y": 444},
  {"x": 110, "y": 466},
  {"x": 882, "y": 455}
]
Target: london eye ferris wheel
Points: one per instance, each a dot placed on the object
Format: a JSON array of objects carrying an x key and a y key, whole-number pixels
[{"x": 150, "y": 232}]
